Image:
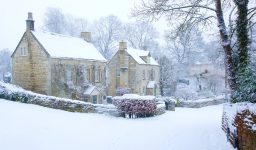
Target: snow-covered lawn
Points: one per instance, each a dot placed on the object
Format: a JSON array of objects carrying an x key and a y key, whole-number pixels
[{"x": 30, "y": 127}]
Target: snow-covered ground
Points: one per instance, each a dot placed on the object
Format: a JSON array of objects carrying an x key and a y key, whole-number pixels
[{"x": 31, "y": 127}]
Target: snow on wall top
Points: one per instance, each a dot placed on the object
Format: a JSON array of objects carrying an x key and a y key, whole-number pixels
[
  {"x": 231, "y": 111},
  {"x": 137, "y": 54},
  {"x": 62, "y": 46},
  {"x": 135, "y": 97}
]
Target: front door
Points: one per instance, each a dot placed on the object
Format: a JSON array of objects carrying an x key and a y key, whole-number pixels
[{"x": 94, "y": 99}]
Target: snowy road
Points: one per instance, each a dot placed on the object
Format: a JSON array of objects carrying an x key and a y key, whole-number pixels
[{"x": 30, "y": 127}]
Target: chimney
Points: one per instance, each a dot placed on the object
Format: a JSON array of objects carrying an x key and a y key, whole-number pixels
[
  {"x": 30, "y": 22},
  {"x": 86, "y": 36},
  {"x": 122, "y": 45}
]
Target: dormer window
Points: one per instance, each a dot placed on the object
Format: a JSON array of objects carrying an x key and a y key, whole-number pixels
[{"x": 23, "y": 51}]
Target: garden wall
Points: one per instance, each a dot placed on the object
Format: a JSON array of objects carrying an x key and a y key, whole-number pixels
[
  {"x": 202, "y": 102},
  {"x": 14, "y": 93},
  {"x": 239, "y": 124}
]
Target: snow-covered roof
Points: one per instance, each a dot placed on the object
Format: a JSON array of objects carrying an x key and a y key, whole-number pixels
[
  {"x": 62, "y": 46},
  {"x": 137, "y": 54},
  {"x": 89, "y": 90},
  {"x": 151, "y": 84}
]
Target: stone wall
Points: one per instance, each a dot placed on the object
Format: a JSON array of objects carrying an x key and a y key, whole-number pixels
[
  {"x": 143, "y": 81},
  {"x": 201, "y": 103},
  {"x": 111, "y": 75},
  {"x": 70, "y": 77},
  {"x": 246, "y": 136},
  {"x": 37, "y": 72},
  {"x": 239, "y": 124},
  {"x": 14, "y": 93},
  {"x": 127, "y": 73},
  {"x": 131, "y": 74},
  {"x": 31, "y": 71}
]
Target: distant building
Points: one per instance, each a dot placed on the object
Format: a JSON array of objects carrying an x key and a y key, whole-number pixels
[
  {"x": 59, "y": 65},
  {"x": 132, "y": 71}
]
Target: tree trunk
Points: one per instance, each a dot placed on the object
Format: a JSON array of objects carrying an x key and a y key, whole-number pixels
[
  {"x": 226, "y": 46},
  {"x": 242, "y": 34}
]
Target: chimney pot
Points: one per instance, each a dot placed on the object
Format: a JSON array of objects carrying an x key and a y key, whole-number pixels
[
  {"x": 30, "y": 16},
  {"x": 87, "y": 36}
]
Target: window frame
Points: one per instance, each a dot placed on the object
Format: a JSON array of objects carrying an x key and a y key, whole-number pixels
[
  {"x": 23, "y": 51},
  {"x": 69, "y": 75}
]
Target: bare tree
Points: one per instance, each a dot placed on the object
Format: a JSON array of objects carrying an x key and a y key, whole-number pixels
[
  {"x": 54, "y": 20},
  {"x": 195, "y": 13},
  {"x": 74, "y": 26},
  {"x": 181, "y": 43},
  {"x": 5, "y": 62},
  {"x": 166, "y": 76},
  {"x": 141, "y": 35},
  {"x": 107, "y": 33},
  {"x": 58, "y": 22}
]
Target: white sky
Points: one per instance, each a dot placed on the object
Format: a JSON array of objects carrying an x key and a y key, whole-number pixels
[{"x": 13, "y": 14}]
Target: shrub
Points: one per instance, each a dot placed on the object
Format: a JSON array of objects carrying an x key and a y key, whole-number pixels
[
  {"x": 135, "y": 106},
  {"x": 8, "y": 92}
]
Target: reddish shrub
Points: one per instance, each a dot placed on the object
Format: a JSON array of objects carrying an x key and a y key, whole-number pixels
[{"x": 135, "y": 107}]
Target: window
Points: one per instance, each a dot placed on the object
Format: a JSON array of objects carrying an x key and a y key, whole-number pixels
[
  {"x": 143, "y": 75},
  {"x": 93, "y": 77},
  {"x": 23, "y": 51},
  {"x": 94, "y": 99},
  {"x": 118, "y": 72},
  {"x": 97, "y": 74},
  {"x": 102, "y": 75},
  {"x": 148, "y": 74},
  {"x": 152, "y": 74},
  {"x": 88, "y": 75},
  {"x": 69, "y": 75},
  {"x": 144, "y": 90}
]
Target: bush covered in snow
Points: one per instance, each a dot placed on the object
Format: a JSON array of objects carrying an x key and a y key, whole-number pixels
[
  {"x": 135, "y": 106},
  {"x": 13, "y": 93}
]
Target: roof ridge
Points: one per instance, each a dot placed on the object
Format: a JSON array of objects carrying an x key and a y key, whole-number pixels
[{"x": 57, "y": 34}]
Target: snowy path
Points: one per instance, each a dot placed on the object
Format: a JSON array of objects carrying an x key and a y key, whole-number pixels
[{"x": 30, "y": 127}]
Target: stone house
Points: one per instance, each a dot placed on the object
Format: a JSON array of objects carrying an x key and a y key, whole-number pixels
[
  {"x": 132, "y": 71},
  {"x": 59, "y": 65}
]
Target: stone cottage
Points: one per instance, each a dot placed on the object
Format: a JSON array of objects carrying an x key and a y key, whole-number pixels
[
  {"x": 59, "y": 65},
  {"x": 132, "y": 71}
]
